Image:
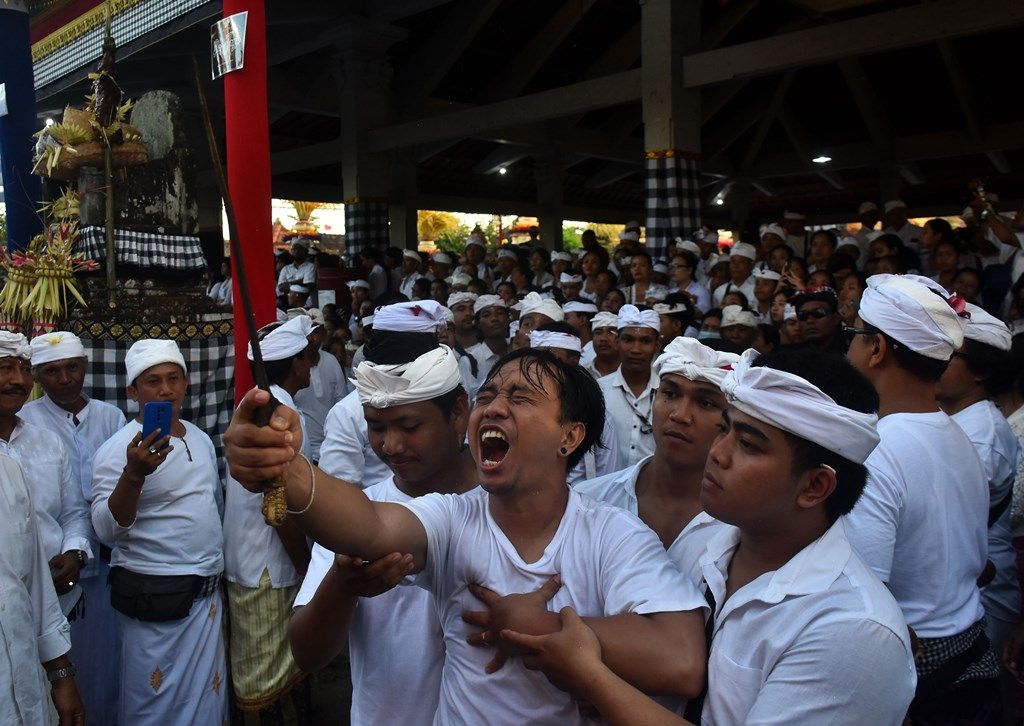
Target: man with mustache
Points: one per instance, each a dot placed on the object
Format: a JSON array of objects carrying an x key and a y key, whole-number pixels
[{"x": 56, "y": 495}]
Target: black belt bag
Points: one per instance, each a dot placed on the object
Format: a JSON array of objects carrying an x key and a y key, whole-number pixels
[{"x": 155, "y": 598}]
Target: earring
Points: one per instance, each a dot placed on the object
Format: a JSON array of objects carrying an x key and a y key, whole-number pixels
[{"x": 564, "y": 451}]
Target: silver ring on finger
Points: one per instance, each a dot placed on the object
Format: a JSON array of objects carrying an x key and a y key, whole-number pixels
[{"x": 152, "y": 449}]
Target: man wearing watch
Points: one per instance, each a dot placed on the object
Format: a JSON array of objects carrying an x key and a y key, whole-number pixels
[{"x": 32, "y": 628}]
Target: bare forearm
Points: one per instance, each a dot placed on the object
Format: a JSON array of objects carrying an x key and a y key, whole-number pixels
[
  {"x": 622, "y": 704},
  {"x": 662, "y": 654},
  {"x": 124, "y": 500},
  {"x": 295, "y": 544},
  {"x": 319, "y": 630}
]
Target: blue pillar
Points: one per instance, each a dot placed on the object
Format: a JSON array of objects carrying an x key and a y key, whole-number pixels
[{"x": 21, "y": 187}]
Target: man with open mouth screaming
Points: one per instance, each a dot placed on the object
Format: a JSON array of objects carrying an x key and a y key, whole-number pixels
[{"x": 523, "y": 531}]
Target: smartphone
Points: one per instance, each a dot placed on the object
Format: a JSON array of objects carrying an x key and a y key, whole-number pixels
[{"x": 156, "y": 415}]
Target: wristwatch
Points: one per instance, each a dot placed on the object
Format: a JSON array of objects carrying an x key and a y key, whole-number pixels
[{"x": 65, "y": 672}]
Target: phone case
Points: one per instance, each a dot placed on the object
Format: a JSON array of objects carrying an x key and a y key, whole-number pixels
[{"x": 156, "y": 415}]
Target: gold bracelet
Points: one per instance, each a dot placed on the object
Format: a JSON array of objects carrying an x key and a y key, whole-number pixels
[{"x": 312, "y": 489}]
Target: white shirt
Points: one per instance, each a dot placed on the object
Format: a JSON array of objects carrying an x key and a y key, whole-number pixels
[
  {"x": 747, "y": 288},
  {"x": 396, "y": 646},
  {"x": 601, "y": 459},
  {"x": 820, "y": 640},
  {"x": 619, "y": 490},
  {"x": 304, "y": 274},
  {"x": 327, "y": 386},
  {"x": 630, "y": 414},
  {"x": 701, "y": 292},
  {"x": 609, "y": 561},
  {"x": 544, "y": 279},
  {"x": 485, "y": 360},
  {"x": 1016, "y": 422},
  {"x": 378, "y": 280},
  {"x": 250, "y": 546},
  {"x": 909, "y": 233},
  {"x": 32, "y": 628},
  {"x": 997, "y": 447},
  {"x": 177, "y": 529},
  {"x": 346, "y": 452},
  {"x": 921, "y": 522},
  {"x": 588, "y": 354},
  {"x": 704, "y": 265},
  {"x": 406, "y": 285},
  {"x": 653, "y": 290}
]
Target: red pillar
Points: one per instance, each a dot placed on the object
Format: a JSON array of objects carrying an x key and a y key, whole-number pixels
[{"x": 248, "y": 161}]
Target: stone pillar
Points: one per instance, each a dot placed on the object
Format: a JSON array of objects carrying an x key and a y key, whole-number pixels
[
  {"x": 669, "y": 30},
  {"x": 549, "y": 172},
  {"x": 21, "y": 187},
  {"x": 402, "y": 202},
  {"x": 364, "y": 77}
]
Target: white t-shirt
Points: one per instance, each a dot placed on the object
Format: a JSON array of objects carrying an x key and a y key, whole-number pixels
[
  {"x": 921, "y": 522},
  {"x": 817, "y": 641},
  {"x": 346, "y": 452},
  {"x": 997, "y": 447},
  {"x": 610, "y": 564},
  {"x": 619, "y": 490},
  {"x": 396, "y": 647}
]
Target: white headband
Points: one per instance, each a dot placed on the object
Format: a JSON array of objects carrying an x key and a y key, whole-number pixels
[
  {"x": 790, "y": 403},
  {"x": 298, "y": 289},
  {"x": 692, "y": 359},
  {"x": 574, "y": 306},
  {"x": 553, "y": 339},
  {"x": 561, "y": 257},
  {"x": 674, "y": 308},
  {"x": 353, "y": 284},
  {"x": 144, "y": 354},
  {"x": 735, "y": 315},
  {"x": 605, "y": 319},
  {"x": 775, "y": 229},
  {"x": 442, "y": 258},
  {"x": 14, "y": 345},
  {"x": 507, "y": 253},
  {"x": 433, "y": 374},
  {"x": 686, "y": 245},
  {"x": 630, "y": 316},
  {"x": 461, "y": 278},
  {"x": 767, "y": 274},
  {"x": 982, "y": 328},
  {"x": 742, "y": 249},
  {"x": 461, "y": 297},
  {"x": 566, "y": 279},
  {"x": 789, "y": 313},
  {"x": 906, "y": 308},
  {"x": 412, "y": 255},
  {"x": 286, "y": 340},
  {"x": 488, "y": 301},
  {"x": 420, "y": 316},
  {"x": 632, "y": 236},
  {"x": 59, "y": 345},
  {"x": 534, "y": 303},
  {"x": 474, "y": 240}
]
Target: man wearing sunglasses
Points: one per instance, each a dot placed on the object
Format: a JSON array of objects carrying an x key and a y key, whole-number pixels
[{"x": 818, "y": 309}]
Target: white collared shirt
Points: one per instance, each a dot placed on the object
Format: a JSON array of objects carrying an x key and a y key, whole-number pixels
[
  {"x": 177, "y": 527},
  {"x": 346, "y": 452},
  {"x": 619, "y": 489},
  {"x": 327, "y": 386},
  {"x": 1000, "y": 455},
  {"x": 602, "y": 458},
  {"x": 746, "y": 287},
  {"x": 32, "y": 628},
  {"x": 406, "y": 285},
  {"x": 820, "y": 640},
  {"x": 921, "y": 522},
  {"x": 485, "y": 360},
  {"x": 250, "y": 546},
  {"x": 630, "y": 414},
  {"x": 304, "y": 274}
]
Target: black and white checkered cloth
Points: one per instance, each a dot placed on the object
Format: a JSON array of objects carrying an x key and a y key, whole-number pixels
[
  {"x": 366, "y": 223},
  {"x": 209, "y": 352},
  {"x": 672, "y": 198},
  {"x": 937, "y": 651},
  {"x": 144, "y": 249}
]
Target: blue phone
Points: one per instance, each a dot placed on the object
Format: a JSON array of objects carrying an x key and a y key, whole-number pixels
[{"x": 156, "y": 415}]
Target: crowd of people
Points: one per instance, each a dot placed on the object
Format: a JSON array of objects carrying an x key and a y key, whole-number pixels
[{"x": 773, "y": 482}]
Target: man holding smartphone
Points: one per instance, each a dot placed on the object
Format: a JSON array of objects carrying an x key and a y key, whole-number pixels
[{"x": 156, "y": 501}]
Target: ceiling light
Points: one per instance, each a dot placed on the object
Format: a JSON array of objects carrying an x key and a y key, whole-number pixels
[
  {"x": 822, "y": 159},
  {"x": 719, "y": 201},
  {"x": 50, "y": 122},
  {"x": 503, "y": 170}
]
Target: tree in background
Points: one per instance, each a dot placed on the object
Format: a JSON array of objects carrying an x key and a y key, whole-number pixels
[{"x": 607, "y": 234}]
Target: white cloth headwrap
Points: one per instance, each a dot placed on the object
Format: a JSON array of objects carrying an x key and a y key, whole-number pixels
[
  {"x": 742, "y": 249},
  {"x": 631, "y": 235},
  {"x": 461, "y": 278},
  {"x": 574, "y": 306},
  {"x": 14, "y": 345},
  {"x": 433, "y": 374},
  {"x": 286, "y": 340},
  {"x": 145, "y": 354},
  {"x": 789, "y": 312},
  {"x": 604, "y": 319},
  {"x": 58, "y": 345},
  {"x": 488, "y": 301},
  {"x": 692, "y": 359},
  {"x": 630, "y": 316},
  {"x": 674, "y": 308},
  {"x": 982, "y": 328},
  {"x": 554, "y": 339},
  {"x": 353, "y": 284},
  {"x": 775, "y": 229},
  {"x": 507, "y": 254},
  {"x": 735, "y": 315},
  {"x": 561, "y": 257},
  {"x": 566, "y": 279},
  {"x": 442, "y": 258},
  {"x": 767, "y": 274},
  {"x": 534, "y": 303},
  {"x": 905, "y": 307},
  {"x": 420, "y": 316},
  {"x": 686, "y": 245},
  {"x": 460, "y": 297},
  {"x": 790, "y": 403}
]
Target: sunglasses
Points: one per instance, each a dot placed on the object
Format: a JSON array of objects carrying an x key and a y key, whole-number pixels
[
  {"x": 850, "y": 332},
  {"x": 818, "y": 313}
]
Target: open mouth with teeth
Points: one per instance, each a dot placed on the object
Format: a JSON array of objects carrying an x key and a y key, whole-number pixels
[{"x": 493, "y": 447}]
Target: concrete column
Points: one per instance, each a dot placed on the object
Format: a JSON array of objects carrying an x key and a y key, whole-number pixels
[
  {"x": 549, "y": 172},
  {"x": 403, "y": 204}
]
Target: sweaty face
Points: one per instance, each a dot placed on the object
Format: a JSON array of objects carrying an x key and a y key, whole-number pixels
[
  {"x": 515, "y": 430},
  {"x": 414, "y": 440},
  {"x": 637, "y": 348},
  {"x": 15, "y": 384},
  {"x": 687, "y": 417},
  {"x": 62, "y": 380}
]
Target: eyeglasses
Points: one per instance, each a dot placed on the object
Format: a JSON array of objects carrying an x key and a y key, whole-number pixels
[
  {"x": 818, "y": 313},
  {"x": 850, "y": 332}
]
